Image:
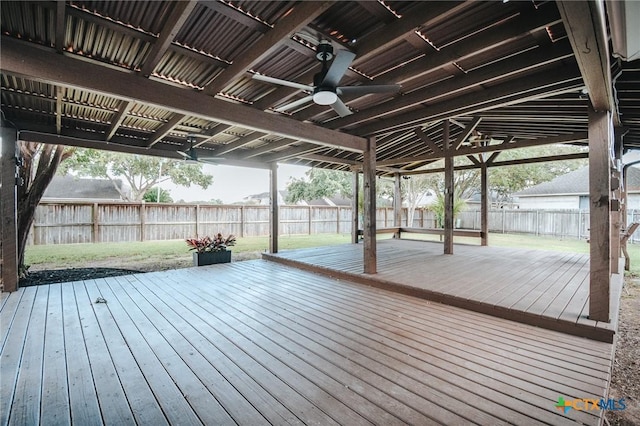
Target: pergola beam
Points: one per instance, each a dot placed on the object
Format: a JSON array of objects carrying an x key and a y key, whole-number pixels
[
  {"x": 159, "y": 150},
  {"x": 165, "y": 129},
  {"x": 59, "y": 108},
  {"x": 123, "y": 109},
  {"x": 269, "y": 146},
  {"x": 518, "y": 64},
  {"x": 175, "y": 21},
  {"x": 61, "y": 22},
  {"x": 585, "y": 24},
  {"x": 239, "y": 143},
  {"x": 302, "y": 14},
  {"x": 39, "y": 64},
  {"x": 427, "y": 140},
  {"x": 575, "y": 137},
  {"x": 466, "y": 133},
  {"x": 512, "y": 92}
]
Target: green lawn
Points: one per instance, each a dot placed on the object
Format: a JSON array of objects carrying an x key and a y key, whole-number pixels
[{"x": 76, "y": 255}]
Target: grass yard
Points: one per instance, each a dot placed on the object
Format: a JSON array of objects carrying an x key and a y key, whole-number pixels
[{"x": 152, "y": 255}]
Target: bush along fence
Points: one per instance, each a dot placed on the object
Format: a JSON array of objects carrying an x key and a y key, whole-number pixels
[{"x": 78, "y": 222}]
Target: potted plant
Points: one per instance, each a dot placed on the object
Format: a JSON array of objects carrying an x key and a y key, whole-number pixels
[{"x": 208, "y": 251}]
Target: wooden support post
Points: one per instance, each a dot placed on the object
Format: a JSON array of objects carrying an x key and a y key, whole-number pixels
[
  {"x": 616, "y": 209},
  {"x": 369, "y": 188},
  {"x": 274, "y": 221},
  {"x": 8, "y": 210},
  {"x": 397, "y": 205},
  {"x": 355, "y": 186},
  {"x": 600, "y": 219},
  {"x": 484, "y": 203},
  {"x": 448, "y": 189}
]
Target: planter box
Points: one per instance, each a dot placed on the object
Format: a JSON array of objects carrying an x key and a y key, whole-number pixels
[{"x": 211, "y": 257}]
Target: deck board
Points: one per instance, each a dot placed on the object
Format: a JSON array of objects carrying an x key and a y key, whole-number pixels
[
  {"x": 256, "y": 342},
  {"x": 543, "y": 288}
]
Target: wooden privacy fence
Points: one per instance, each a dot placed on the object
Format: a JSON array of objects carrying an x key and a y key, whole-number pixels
[{"x": 77, "y": 222}]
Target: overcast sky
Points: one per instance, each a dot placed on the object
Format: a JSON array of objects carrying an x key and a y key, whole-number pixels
[{"x": 231, "y": 184}]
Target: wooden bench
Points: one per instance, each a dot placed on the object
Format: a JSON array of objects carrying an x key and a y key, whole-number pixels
[{"x": 430, "y": 231}]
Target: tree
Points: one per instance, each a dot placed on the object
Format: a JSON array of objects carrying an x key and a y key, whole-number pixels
[
  {"x": 38, "y": 165},
  {"x": 504, "y": 181},
  {"x": 319, "y": 183},
  {"x": 438, "y": 208},
  {"x": 140, "y": 172},
  {"x": 151, "y": 196}
]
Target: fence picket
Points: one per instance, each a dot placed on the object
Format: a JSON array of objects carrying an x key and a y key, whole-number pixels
[{"x": 83, "y": 222}]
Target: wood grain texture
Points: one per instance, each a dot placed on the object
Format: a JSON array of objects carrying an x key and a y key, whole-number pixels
[
  {"x": 543, "y": 288},
  {"x": 259, "y": 343}
]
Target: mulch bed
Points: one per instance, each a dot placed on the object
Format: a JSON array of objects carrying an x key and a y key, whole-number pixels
[{"x": 52, "y": 276}]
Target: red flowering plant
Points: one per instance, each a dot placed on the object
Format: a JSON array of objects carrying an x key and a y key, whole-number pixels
[{"x": 206, "y": 243}]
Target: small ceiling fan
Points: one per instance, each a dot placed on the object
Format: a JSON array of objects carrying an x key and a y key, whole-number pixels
[
  {"x": 325, "y": 89},
  {"x": 190, "y": 154}
]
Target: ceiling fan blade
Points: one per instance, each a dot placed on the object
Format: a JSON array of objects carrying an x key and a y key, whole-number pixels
[
  {"x": 184, "y": 154},
  {"x": 339, "y": 107},
  {"x": 338, "y": 67},
  {"x": 295, "y": 104},
  {"x": 365, "y": 90},
  {"x": 283, "y": 82}
]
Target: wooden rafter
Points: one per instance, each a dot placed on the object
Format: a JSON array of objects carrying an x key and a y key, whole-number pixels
[
  {"x": 270, "y": 146},
  {"x": 575, "y": 137},
  {"x": 123, "y": 109},
  {"x": 518, "y": 64},
  {"x": 289, "y": 153},
  {"x": 516, "y": 162},
  {"x": 239, "y": 143},
  {"x": 175, "y": 21},
  {"x": 427, "y": 140},
  {"x": 61, "y": 22},
  {"x": 165, "y": 129},
  {"x": 466, "y": 133},
  {"x": 211, "y": 133},
  {"x": 512, "y": 92},
  {"x": 301, "y": 15},
  {"x": 59, "y": 108},
  {"x": 586, "y": 29},
  {"x": 33, "y": 62}
]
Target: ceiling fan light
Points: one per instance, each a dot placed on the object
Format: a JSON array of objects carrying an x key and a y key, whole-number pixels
[{"x": 325, "y": 98}]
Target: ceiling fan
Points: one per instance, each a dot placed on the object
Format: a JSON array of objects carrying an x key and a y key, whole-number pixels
[
  {"x": 190, "y": 154},
  {"x": 325, "y": 89}
]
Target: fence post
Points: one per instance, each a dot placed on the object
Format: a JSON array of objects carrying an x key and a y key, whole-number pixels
[
  {"x": 309, "y": 218},
  {"x": 143, "y": 220},
  {"x": 537, "y": 222},
  {"x": 504, "y": 218},
  {"x": 197, "y": 220},
  {"x": 338, "y": 220},
  {"x": 579, "y": 224},
  {"x": 96, "y": 229},
  {"x": 242, "y": 221}
]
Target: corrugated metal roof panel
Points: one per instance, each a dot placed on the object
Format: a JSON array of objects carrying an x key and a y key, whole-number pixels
[
  {"x": 216, "y": 34},
  {"x": 177, "y": 67},
  {"x": 149, "y": 15}
]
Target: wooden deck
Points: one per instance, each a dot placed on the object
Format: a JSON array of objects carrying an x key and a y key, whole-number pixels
[
  {"x": 542, "y": 288},
  {"x": 256, "y": 342}
]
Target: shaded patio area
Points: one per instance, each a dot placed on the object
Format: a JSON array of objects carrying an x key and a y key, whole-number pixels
[
  {"x": 542, "y": 288},
  {"x": 261, "y": 343}
]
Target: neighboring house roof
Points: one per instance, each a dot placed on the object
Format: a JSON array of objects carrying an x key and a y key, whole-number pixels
[
  {"x": 69, "y": 187},
  {"x": 576, "y": 182}
]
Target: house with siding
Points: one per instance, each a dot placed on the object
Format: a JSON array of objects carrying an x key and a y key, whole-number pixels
[{"x": 571, "y": 191}]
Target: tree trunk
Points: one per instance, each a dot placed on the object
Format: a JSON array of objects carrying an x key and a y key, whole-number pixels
[{"x": 34, "y": 183}]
